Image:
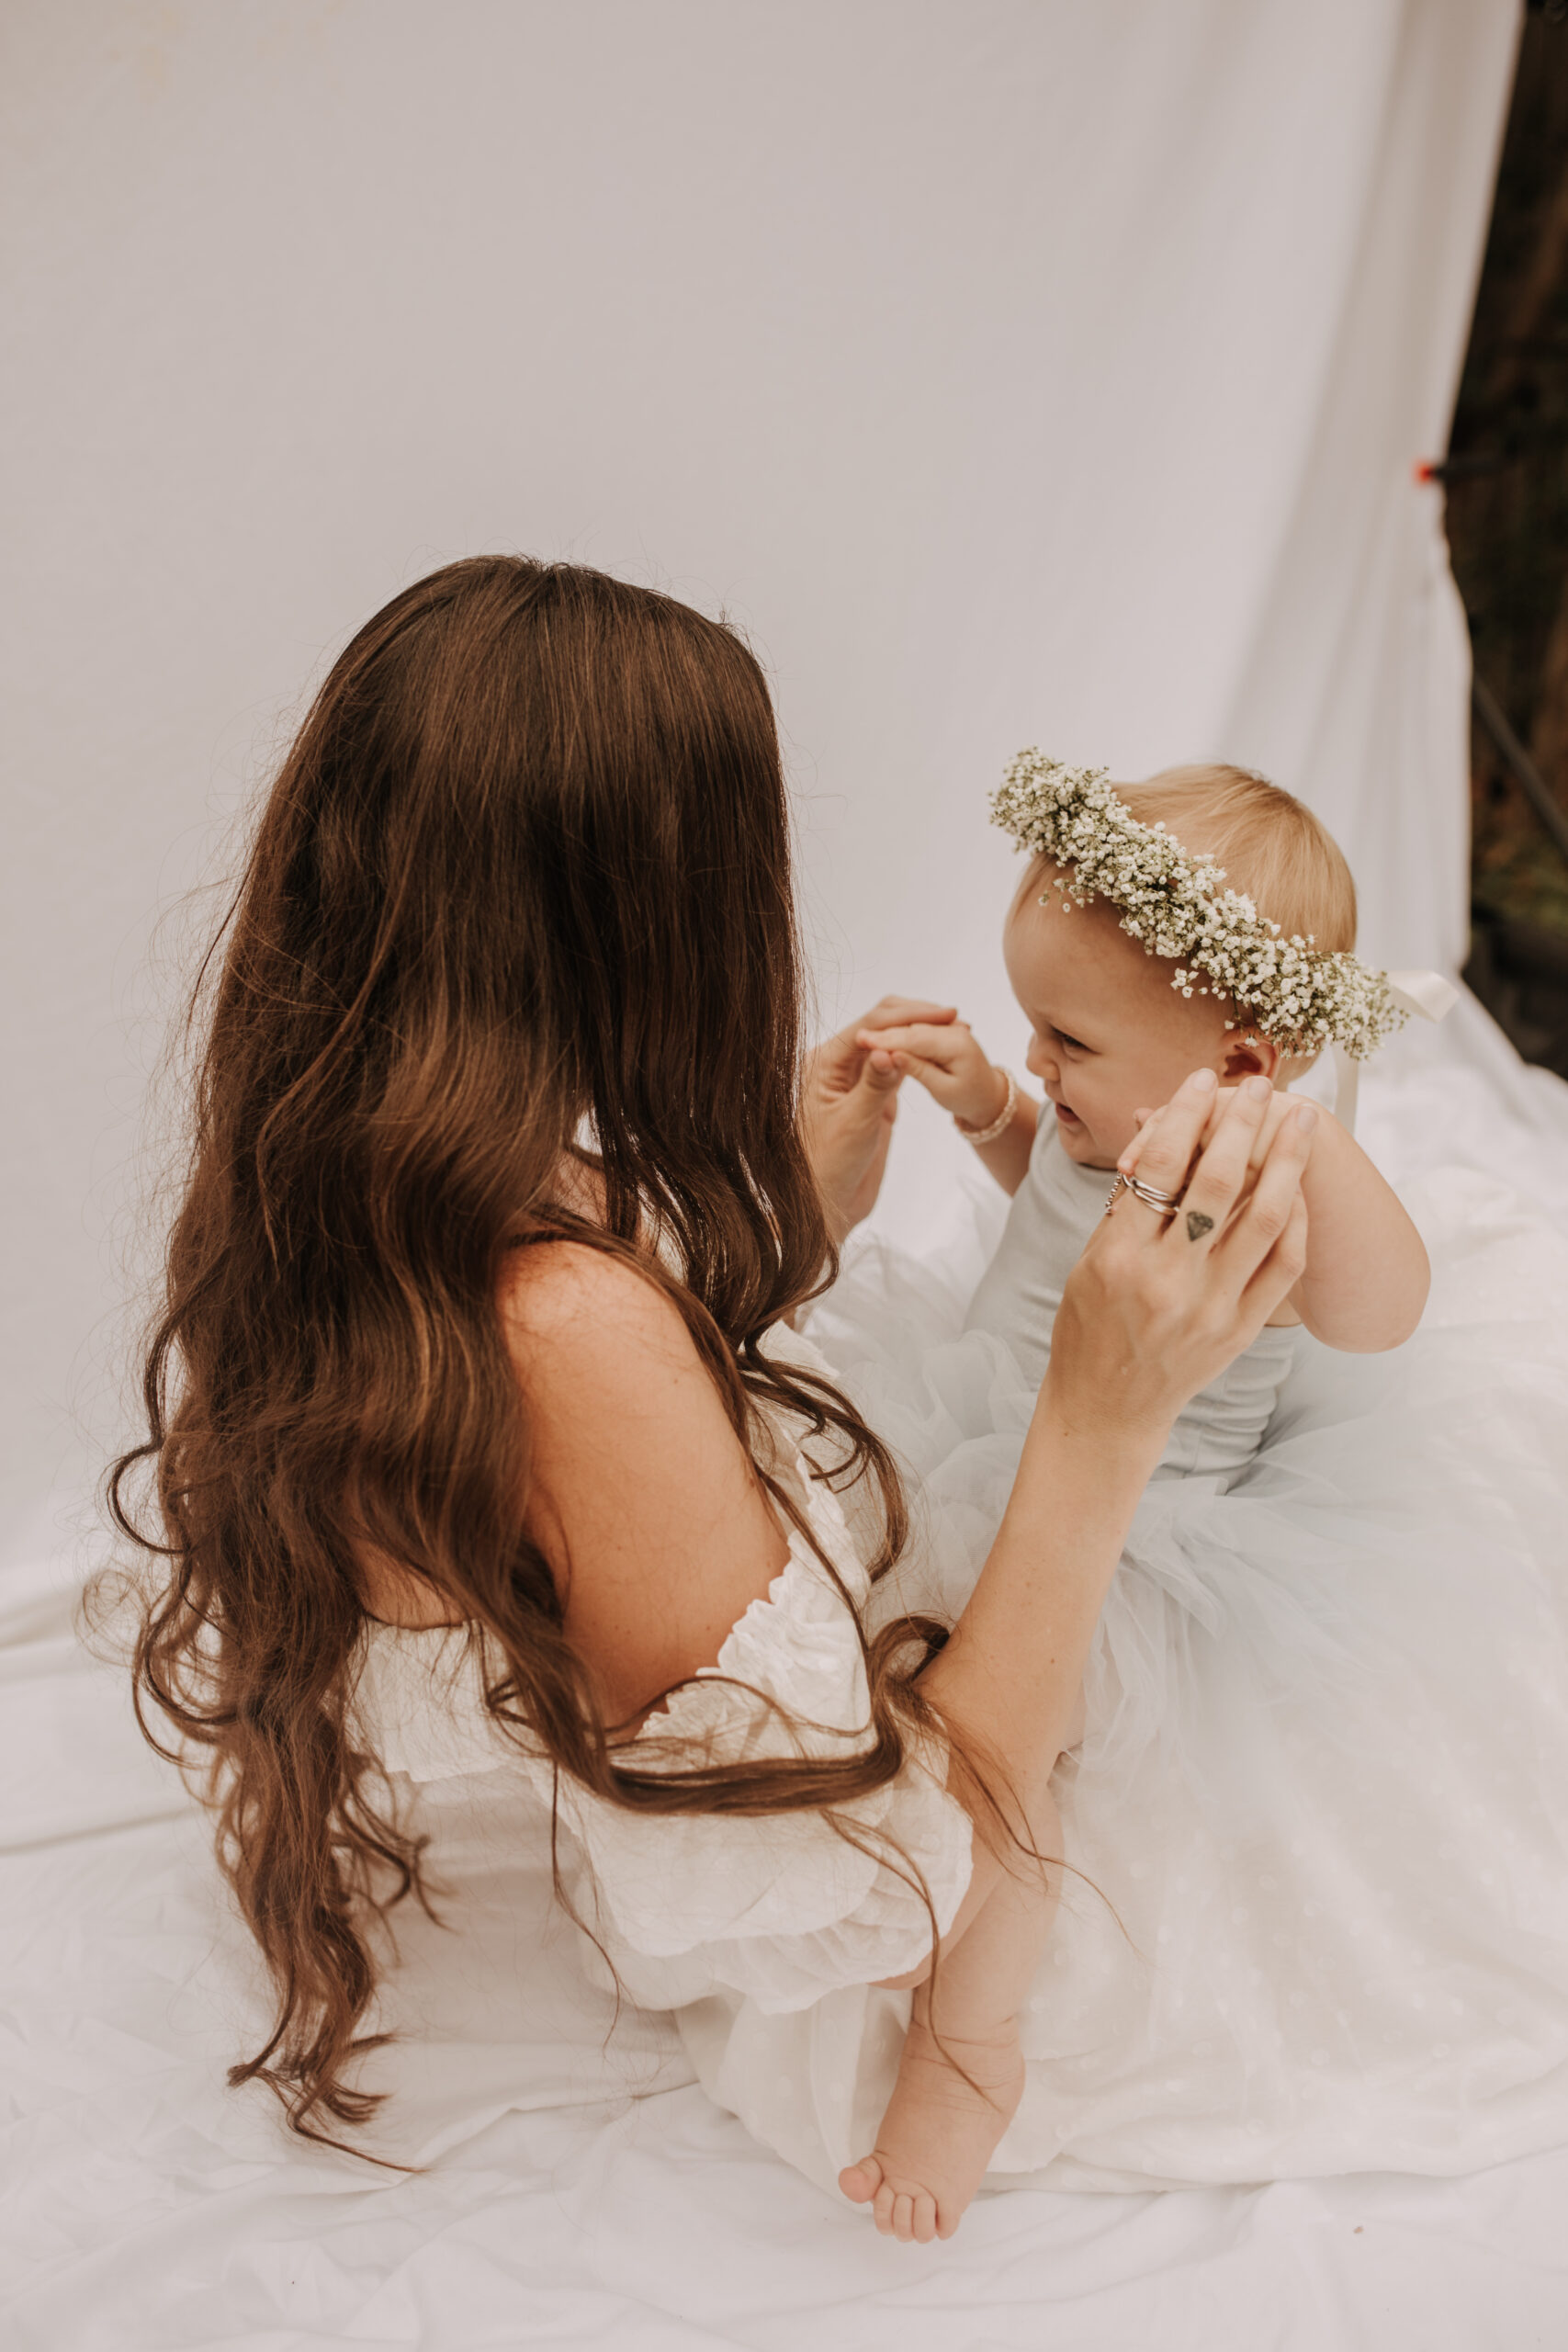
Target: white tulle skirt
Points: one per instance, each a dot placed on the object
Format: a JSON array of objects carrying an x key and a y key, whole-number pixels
[{"x": 1316, "y": 1914}]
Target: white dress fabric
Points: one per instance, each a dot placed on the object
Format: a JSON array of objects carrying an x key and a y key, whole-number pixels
[{"x": 779, "y": 1909}]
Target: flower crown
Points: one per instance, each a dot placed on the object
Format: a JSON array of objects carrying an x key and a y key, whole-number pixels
[{"x": 1300, "y": 995}]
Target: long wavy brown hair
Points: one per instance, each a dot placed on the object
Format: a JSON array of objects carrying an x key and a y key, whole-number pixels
[{"x": 520, "y": 894}]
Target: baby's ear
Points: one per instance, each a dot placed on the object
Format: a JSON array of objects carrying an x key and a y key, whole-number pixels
[{"x": 1248, "y": 1054}]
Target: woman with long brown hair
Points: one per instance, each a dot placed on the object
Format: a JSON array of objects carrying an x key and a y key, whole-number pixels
[{"x": 479, "y": 1431}]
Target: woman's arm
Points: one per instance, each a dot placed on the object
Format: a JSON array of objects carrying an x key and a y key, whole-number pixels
[{"x": 1154, "y": 1310}]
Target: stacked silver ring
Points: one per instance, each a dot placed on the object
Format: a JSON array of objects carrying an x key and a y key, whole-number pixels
[{"x": 1162, "y": 1204}]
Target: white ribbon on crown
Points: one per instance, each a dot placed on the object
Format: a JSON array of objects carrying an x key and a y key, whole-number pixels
[{"x": 1425, "y": 995}]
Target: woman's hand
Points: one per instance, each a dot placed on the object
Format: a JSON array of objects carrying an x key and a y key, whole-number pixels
[
  {"x": 850, "y": 1100},
  {"x": 1366, "y": 1275},
  {"x": 1157, "y": 1306},
  {"x": 1279, "y": 1107}
]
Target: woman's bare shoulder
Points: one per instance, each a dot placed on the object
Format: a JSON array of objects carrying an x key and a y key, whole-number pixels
[
  {"x": 576, "y": 1308},
  {"x": 617, "y": 1395},
  {"x": 642, "y": 1496}
]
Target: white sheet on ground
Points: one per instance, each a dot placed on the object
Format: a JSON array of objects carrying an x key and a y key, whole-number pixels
[{"x": 150, "y": 2209}]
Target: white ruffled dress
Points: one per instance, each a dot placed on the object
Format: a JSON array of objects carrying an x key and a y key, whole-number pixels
[
  {"x": 1317, "y": 1911},
  {"x": 708, "y": 1915}
]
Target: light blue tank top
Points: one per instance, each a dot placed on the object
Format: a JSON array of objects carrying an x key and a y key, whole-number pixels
[{"x": 1054, "y": 1212}]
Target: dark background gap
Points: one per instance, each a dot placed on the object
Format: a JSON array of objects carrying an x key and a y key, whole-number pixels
[{"x": 1507, "y": 483}]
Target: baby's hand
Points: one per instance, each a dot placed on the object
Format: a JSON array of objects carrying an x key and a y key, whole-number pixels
[{"x": 942, "y": 1052}]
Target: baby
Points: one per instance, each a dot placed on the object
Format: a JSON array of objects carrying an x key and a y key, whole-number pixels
[{"x": 1116, "y": 1025}]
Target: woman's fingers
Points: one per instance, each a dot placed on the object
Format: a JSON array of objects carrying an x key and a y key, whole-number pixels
[
  {"x": 1265, "y": 1248},
  {"x": 1143, "y": 1120},
  {"x": 1165, "y": 1148},
  {"x": 915, "y": 1066},
  {"x": 1280, "y": 1269},
  {"x": 1224, "y": 1165},
  {"x": 1279, "y": 1107},
  {"x": 898, "y": 1011},
  {"x": 903, "y": 1036}
]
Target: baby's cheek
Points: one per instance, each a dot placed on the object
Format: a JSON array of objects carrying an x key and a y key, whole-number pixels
[{"x": 1118, "y": 1121}]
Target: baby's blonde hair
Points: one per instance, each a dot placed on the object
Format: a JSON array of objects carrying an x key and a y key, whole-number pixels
[{"x": 1271, "y": 847}]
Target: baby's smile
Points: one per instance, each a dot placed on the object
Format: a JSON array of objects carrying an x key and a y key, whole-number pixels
[{"x": 1111, "y": 1036}]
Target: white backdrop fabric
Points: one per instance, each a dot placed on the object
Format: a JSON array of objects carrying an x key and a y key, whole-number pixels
[{"x": 1013, "y": 370}]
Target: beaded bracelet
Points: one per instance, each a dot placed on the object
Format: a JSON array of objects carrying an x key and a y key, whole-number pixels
[{"x": 1003, "y": 1118}]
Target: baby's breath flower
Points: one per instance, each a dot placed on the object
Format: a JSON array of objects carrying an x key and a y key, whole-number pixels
[{"x": 1299, "y": 994}]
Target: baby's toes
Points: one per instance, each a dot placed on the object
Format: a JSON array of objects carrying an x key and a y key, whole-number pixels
[
  {"x": 904, "y": 2217},
  {"x": 924, "y": 2217},
  {"x": 860, "y": 2182},
  {"x": 882, "y": 2209}
]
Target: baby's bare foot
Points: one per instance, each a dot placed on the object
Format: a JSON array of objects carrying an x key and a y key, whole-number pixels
[{"x": 938, "y": 2134}]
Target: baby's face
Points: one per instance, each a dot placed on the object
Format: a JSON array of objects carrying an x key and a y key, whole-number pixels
[{"x": 1110, "y": 1034}]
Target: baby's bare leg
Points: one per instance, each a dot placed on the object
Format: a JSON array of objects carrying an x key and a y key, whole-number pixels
[{"x": 941, "y": 2131}]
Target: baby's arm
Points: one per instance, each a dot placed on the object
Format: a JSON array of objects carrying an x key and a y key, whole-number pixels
[
  {"x": 1367, "y": 1271},
  {"x": 949, "y": 1062}
]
